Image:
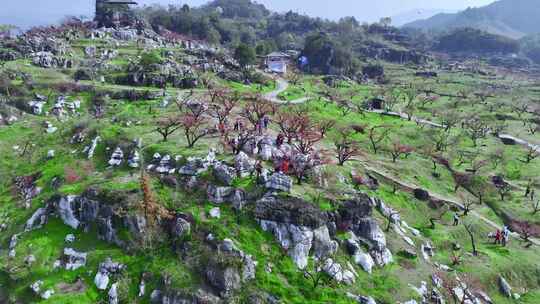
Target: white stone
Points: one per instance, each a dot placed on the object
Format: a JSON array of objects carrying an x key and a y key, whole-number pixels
[
  {"x": 215, "y": 212},
  {"x": 66, "y": 213},
  {"x": 364, "y": 260},
  {"x": 70, "y": 238},
  {"x": 101, "y": 280}
]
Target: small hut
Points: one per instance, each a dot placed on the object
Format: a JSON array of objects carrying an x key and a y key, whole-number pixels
[{"x": 276, "y": 62}]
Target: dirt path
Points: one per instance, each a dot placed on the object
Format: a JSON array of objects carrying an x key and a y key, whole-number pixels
[{"x": 281, "y": 86}]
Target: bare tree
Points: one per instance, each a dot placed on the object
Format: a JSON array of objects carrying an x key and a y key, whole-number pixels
[
  {"x": 535, "y": 206},
  {"x": 306, "y": 140},
  {"x": 531, "y": 155},
  {"x": 397, "y": 150},
  {"x": 325, "y": 125},
  {"x": 520, "y": 107},
  {"x": 291, "y": 122},
  {"x": 449, "y": 119},
  {"x": 241, "y": 140},
  {"x": 471, "y": 230},
  {"x": 467, "y": 207},
  {"x": 504, "y": 189},
  {"x": 526, "y": 232},
  {"x": 194, "y": 129},
  {"x": 532, "y": 127},
  {"x": 496, "y": 158},
  {"x": 476, "y": 128},
  {"x": 166, "y": 126},
  {"x": 440, "y": 138},
  {"x": 376, "y": 135},
  {"x": 256, "y": 108},
  {"x": 221, "y": 104},
  {"x": 346, "y": 147},
  {"x": 476, "y": 165}
]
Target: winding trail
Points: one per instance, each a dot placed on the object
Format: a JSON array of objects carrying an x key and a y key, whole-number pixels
[{"x": 282, "y": 86}]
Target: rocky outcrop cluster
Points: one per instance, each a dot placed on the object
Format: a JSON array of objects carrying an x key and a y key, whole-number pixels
[{"x": 298, "y": 226}]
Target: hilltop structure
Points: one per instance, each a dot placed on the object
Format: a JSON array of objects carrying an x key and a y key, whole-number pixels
[{"x": 113, "y": 12}]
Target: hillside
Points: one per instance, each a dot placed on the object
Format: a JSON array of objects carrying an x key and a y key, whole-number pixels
[
  {"x": 142, "y": 165},
  {"x": 511, "y": 18},
  {"x": 416, "y": 14}
]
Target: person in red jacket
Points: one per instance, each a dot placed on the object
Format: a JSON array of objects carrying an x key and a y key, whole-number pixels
[{"x": 285, "y": 166}]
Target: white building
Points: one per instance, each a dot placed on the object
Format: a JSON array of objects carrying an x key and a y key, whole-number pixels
[{"x": 276, "y": 62}]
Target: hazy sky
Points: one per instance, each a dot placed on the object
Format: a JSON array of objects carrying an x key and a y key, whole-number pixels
[{"x": 26, "y": 12}]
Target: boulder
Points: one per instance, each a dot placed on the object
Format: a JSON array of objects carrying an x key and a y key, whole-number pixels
[
  {"x": 436, "y": 297},
  {"x": 421, "y": 194},
  {"x": 125, "y": 34},
  {"x": 105, "y": 269},
  {"x": 181, "y": 228},
  {"x": 113, "y": 294},
  {"x": 37, "y": 220},
  {"x": 381, "y": 257},
  {"x": 70, "y": 238},
  {"x": 361, "y": 299},
  {"x": 117, "y": 157},
  {"x": 224, "y": 174},
  {"x": 29, "y": 260},
  {"x": 193, "y": 167},
  {"x": 279, "y": 182},
  {"x": 101, "y": 280},
  {"x": 134, "y": 159},
  {"x": 243, "y": 164},
  {"x": 165, "y": 165},
  {"x": 427, "y": 251},
  {"x": 224, "y": 279},
  {"x": 73, "y": 260},
  {"x": 66, "y": 211},
  {"x": 364, "y": 260},
  {"x": 422, "y": 290},
  {"x": 505, "y": 288},
  {"x": 215, "y": 213},
  {"x": 323, "y": 245},
  {"x": 290, "y": 210},
  {"x": 295, "y": 223},
  {"x": 369, "y": 230},
  {"x": 36, "y": 286},
  {"x": 219, "y": 195}
]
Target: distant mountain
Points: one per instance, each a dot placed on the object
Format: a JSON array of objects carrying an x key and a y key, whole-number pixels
[
  {"x": 417, "y": 14},
  {"x": 511, "y": 18}
]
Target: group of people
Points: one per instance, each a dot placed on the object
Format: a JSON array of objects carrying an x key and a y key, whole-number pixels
[{"x": 502, "y": 236}]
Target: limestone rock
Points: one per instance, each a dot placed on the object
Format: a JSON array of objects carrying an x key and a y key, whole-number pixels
[
  {"x": 134, "y": 159},
  {"x": 505, "y": 288},
  {"x": 224, "y": 174},
  {"x": 66, "y": 212},
  {"x": 181, "y": 228},
  {"x": 113, "y": 294},
  {"x": 279, "y": 182},
  {"x": 243, "y": 164},
  {"x": 73, "y": 260},
  {"x": 215, "y": 213},
  {"x": 37, "y": 220},
  {"x": 217, "y": 194},
  {"x": 117, "y": 157}
]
